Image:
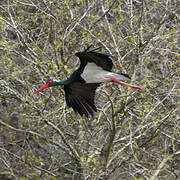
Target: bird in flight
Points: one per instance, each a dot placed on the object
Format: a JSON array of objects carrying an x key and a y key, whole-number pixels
[{"x": 95, "y": 68}]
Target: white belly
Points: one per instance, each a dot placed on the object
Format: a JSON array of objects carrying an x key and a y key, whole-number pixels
[{"x": 95, "y": 74}]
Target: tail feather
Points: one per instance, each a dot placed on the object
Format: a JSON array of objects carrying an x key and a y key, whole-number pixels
[{"x": 120, "y": 77}]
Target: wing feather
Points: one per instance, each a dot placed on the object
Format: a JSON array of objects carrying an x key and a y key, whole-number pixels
[
  {"x": 103, "y": 60},
  {"x": 80, "y": 96}
]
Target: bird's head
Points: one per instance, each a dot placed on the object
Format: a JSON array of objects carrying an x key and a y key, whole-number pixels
[{"x": 50, "y": 83}]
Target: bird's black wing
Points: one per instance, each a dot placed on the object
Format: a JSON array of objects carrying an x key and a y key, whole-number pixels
[
  {"x": 103, "y": 60},
  {"x": 80, "y": 96}
]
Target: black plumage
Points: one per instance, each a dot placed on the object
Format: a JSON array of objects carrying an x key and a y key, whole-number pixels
[
  {"x": 79, "y": 94},
  {"x": 103, "y": 60},
  {"x": 80, "y": 87}
]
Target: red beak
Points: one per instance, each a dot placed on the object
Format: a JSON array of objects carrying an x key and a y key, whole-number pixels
[
  {"x": 125, "y": 84},
  {"x": 41, "y": 88}
]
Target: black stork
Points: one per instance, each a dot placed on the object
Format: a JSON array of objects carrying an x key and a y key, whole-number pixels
[{"x": 95, "y": 68}]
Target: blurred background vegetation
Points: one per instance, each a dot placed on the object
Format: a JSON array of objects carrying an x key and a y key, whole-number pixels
[{"x": 134, "y": 134}]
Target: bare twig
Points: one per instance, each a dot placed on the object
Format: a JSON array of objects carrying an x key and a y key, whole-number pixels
[
  {"x": 36, "y": 134},
  {"x": 73, "y": 151},
  {"x": 162, "y": 164},
  {"x": 105, "y": 13},
  {"x": 28, "y": 163},
  {"x": 77, "y": 22}
]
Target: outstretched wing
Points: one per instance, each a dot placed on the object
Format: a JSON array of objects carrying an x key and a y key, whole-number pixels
[
  {"x": 103, "y": 60},
  {"x": 80, "y": 96}
]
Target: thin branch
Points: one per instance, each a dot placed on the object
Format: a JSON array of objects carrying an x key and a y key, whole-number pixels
[
  {"x": 66, "y": 34},
  {"x": 158, "y": 103},
  {"x": 73, "y": 151},
  {"x": 107, "y": 147},
  {"x": 37, "y": 135},
  {"x": 28, "y": 163},
  {"x": 105, "y": 13},
  {"x": 162, "y": 164},
  {"x": 111, "y": 34},
  {"x": 134, "y": 138}
]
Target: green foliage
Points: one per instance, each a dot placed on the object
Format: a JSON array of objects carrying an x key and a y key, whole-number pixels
[{"x": 47, "y": 140}]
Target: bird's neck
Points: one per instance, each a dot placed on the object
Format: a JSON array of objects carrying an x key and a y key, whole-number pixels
[{"x": 57, "y": 83}]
